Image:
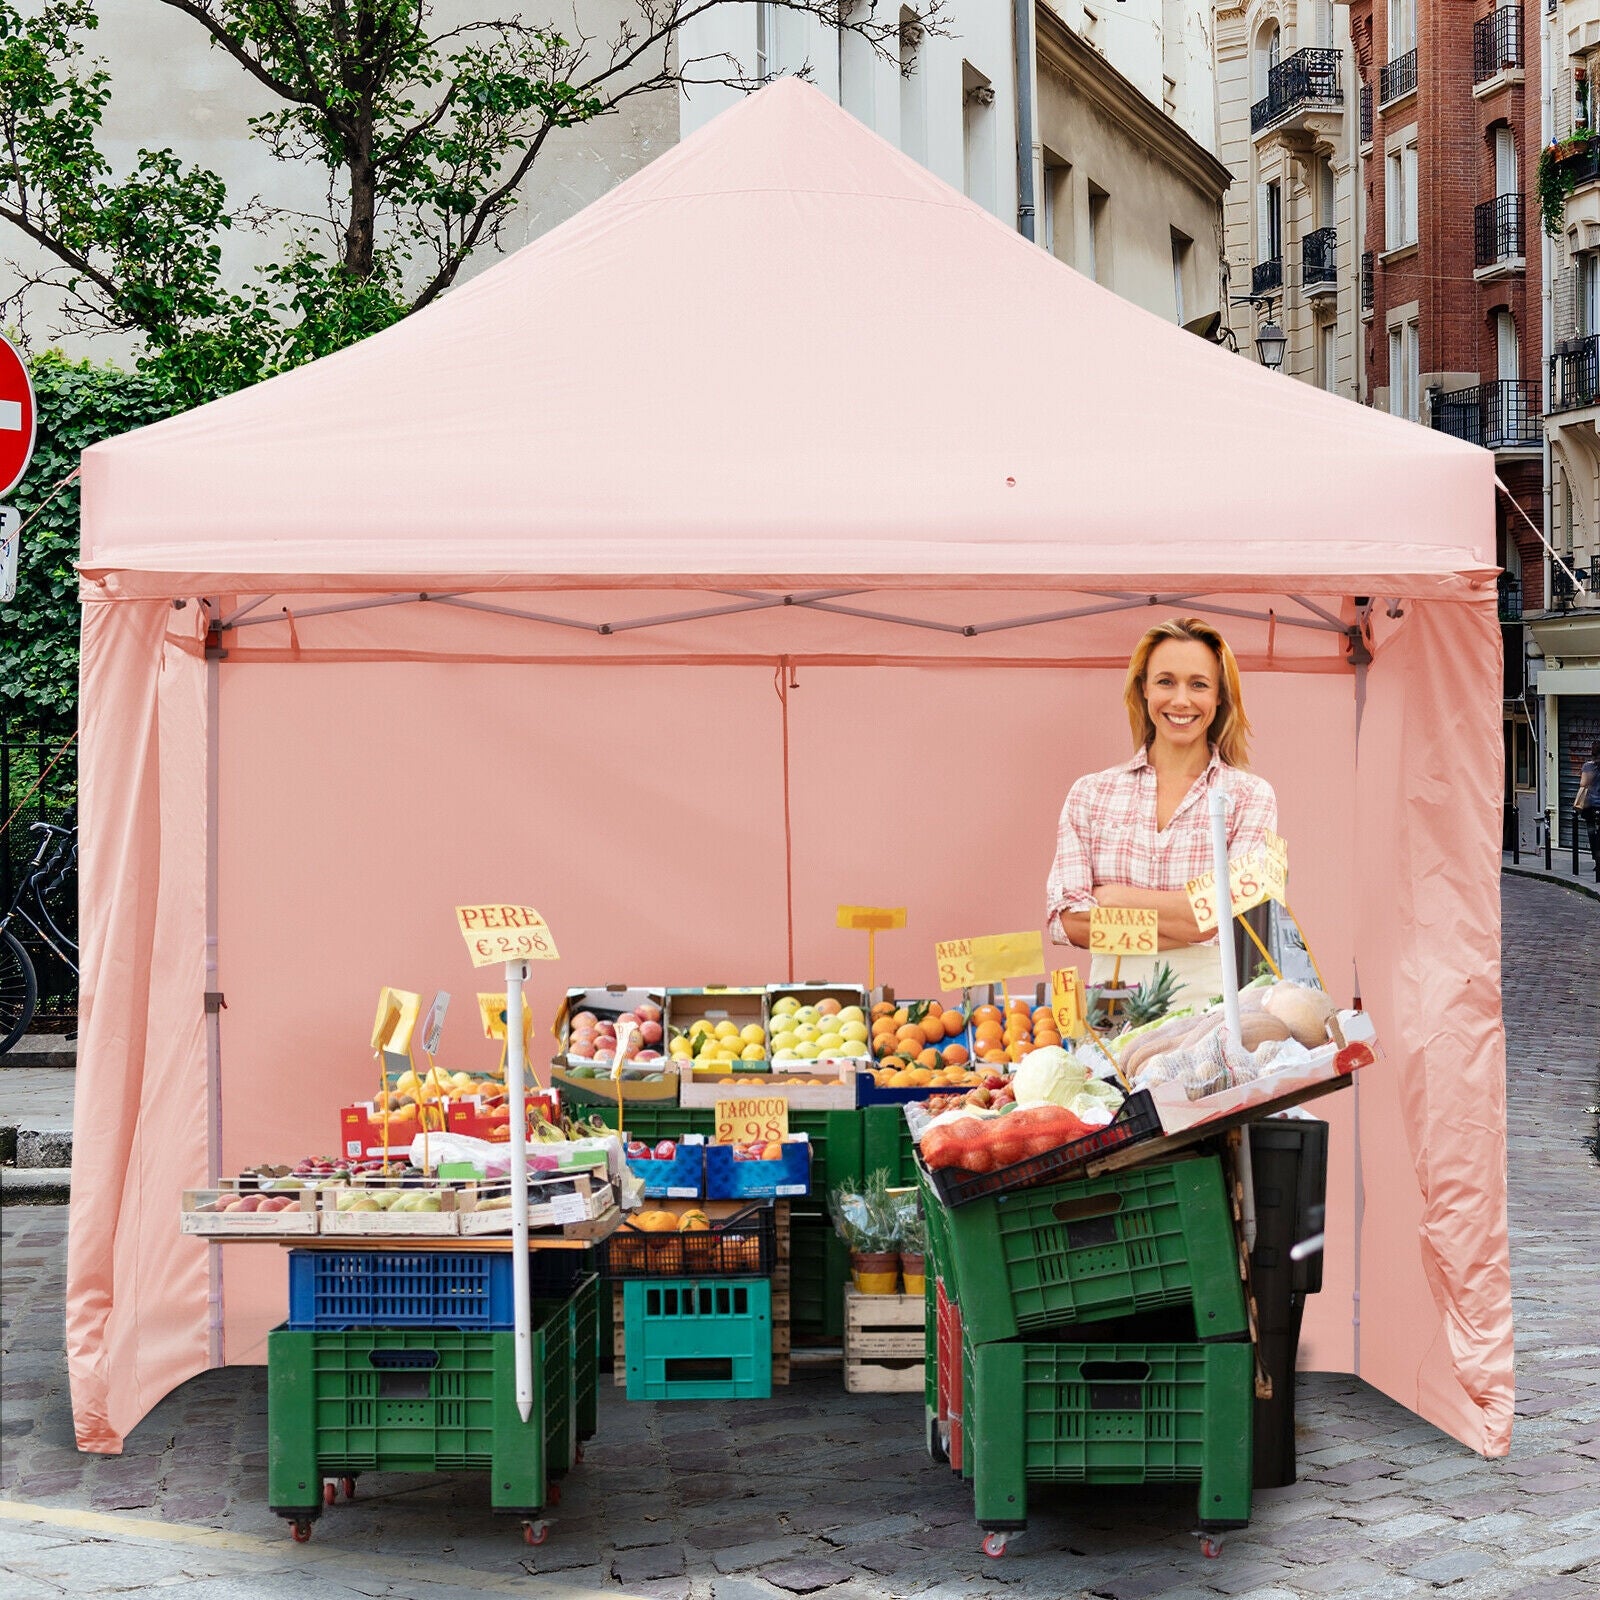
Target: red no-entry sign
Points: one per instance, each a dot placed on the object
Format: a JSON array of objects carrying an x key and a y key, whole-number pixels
[{"x": 16, "y": 418}]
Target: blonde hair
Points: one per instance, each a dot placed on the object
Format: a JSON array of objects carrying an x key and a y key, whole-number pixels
[{"x": 1230, "y": 728}]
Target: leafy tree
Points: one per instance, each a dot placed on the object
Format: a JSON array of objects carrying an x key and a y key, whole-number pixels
[
  {"x": 78, "y": 405},
  {"x": 425, "y": 132}
]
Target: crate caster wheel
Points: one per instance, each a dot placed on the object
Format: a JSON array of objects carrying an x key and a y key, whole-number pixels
[
  {"x": 552, "y": 1494},
  {"x": 1211, "y": 1545},
  {"x": 936, "y": 1445},
  {"x": 535, "y": 1532},
  {"x": 347, "y": 1487},
  {"x": 300, "y": 1529},
  {"x": 994, "y": 1544},
  {"x": 330, "y": 1492}
]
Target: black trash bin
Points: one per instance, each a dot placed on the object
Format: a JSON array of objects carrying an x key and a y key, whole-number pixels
[{"x": 1289, "y": 1159}]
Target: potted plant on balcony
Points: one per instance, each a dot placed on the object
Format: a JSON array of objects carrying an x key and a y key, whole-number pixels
[{"x": 1557, "y": 176}]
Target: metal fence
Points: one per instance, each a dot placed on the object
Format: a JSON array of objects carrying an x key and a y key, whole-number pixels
[
  {"x": 1266, "y": 276},
  {"x": 1319, "y": 259},
  {"x": 1397, "y": 78},
  {"x": 1496, "y": 42},
  {"x": 1366, "y": 280},
  {"x": 1504, "y": 415},
  {"x": 1497, "y": 230},
  {"x": 1307, "y": 78},
  {"x": 1575, "y": 373},
  {"x": 25, "y": 752},
  {"x": 1366, "y": 113}
]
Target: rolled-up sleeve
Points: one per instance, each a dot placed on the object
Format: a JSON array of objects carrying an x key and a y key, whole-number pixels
[
  {"x": 1070, "y": 886},
  {"x": 1255, "y": 814}
]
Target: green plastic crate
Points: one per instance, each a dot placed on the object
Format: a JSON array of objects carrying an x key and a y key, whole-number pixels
[
  {"x": 652, "y": 1123},
  {"x": 586, "y": 1303},
  {"x": 819, "y": 1263},
  {"x": 1110, "y": 1414},
  {"x": 886, "y": 1142},
  {"x": 415, "y": 1400},
  {"x": 560, "y": 1387},
  {"x": 939, "y": 1251},
  {"x": 698, "y": 1338},
  {"x": 1100, "y": 1248}
]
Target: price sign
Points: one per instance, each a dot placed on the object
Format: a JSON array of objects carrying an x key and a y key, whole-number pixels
[
  {"x": 1122, "y": 931},
  {"x": 753, "y": 1117},
  {"x": 1066, "y": 1000},
  {"x": 492, "y": 1013},
  {"x": 434, "y": 1026},
  {"x": 495, "y": 934},
  {"x": 1259, "y": 876},
  {"x": 397, "y": 1018},
  {"x": 954, "y": 959},
  {"x": 998, "y": 956},
  {"x": 870, "y": 919}
]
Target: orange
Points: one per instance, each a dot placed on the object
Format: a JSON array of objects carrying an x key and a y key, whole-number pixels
[
  {"x": 910, "y": 1033},
  {"x": 902, "y": 1080},
  {"x": 987, "y": 1014},
  {"x": 920, "y": 1077},
  {"x": 955, "y": 1055},
  {"x": 884, "y": 1008},
  {"x": 989, "y": 1031},
  {"x": 953, "y": 1022},
  {"x": 995, "y": 1054},
  {"x": 929, "y": 1059},
  {"x": 1016, "y": 1052},
  {"x": 1041, "y": 1039},
  {"x": 901, "y": 1016}
]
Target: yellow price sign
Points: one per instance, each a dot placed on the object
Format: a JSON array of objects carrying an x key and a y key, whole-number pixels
[
  {"x": 1123, "y": 931},
  {"x": 998, "y": 956},
  {"x": 1066, "y": 1000},
  {"x": 752, "y": 1117},
  {"x": 1252, "y": 879},
  {"x": 396, "y": 1021},
  {"x": 492, "y": 1013},
  {"x": 870, "y": 919},
  {"x": 954, "y": 960},
  {"x": 505, "y": 933}
]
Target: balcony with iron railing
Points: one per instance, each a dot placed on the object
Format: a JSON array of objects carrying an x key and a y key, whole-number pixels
[
  {"x": 1502, "y": 416},
  {"x": 1509, "y": 589},
  {"x": 1368, "y": 288},
  {"x": 1267, "y": 276},
  {"x": 1497, "y": 231},
  {"x": 1496, "y": 44},
  {"x": 1307, "y": 81},
  {"x": 1397, "y": 78},
  {"x": 1575, "y": 374},
  {"x": 1319, "y": 273},
  {"x": 1366, "y": 113}
]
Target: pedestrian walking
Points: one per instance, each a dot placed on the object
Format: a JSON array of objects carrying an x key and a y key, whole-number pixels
[{"x": 1587, "y": 804}]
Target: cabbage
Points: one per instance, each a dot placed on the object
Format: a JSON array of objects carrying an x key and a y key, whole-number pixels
[{"x": 1048, "y": 1077}]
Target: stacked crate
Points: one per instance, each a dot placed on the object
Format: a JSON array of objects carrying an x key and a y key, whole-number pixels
[
  {"x": 405, "y": 1361},
  {"x": 1094, "y": 1331}
]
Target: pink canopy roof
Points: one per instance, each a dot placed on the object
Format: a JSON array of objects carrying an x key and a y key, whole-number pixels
[
  {"x": 783, "y": 355},
  {"x": 782, "y": 350}
]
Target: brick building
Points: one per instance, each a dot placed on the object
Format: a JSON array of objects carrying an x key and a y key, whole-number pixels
[{"x": 1451, "y": 286}]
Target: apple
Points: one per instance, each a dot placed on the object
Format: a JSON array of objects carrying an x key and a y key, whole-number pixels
[
  {"x": 648, "y": 1012},
  {"x": 585, "y": 1019},
  {"x": 828, "y": 1008},
  {"x": 650, "y": 1031}
]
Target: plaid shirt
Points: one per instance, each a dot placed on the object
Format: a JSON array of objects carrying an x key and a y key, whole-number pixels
[{"x": 1107, "y": 833}]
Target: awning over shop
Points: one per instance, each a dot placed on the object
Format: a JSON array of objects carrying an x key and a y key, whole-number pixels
[{"x": 773, "y": 534}]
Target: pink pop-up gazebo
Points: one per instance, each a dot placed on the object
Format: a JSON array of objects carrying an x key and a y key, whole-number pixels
[{"x": 771, "y": 535}]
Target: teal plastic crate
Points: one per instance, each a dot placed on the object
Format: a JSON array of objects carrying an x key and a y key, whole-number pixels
[
  {"x": 416, "y": 1400},
  {"x": 1100, "y": 1248},
  {"x": 698, "y": 1338},
  {"x": 1110, "y": 1414}
]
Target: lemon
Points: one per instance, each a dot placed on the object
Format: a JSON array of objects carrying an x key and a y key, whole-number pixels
[
  {"x": 784, "y": 1005},
  {"x": 808, "y": 1051},
  {"x": 726, "y": 1030},
  {"x": 855, "y": 1031},
  {"x": 700, "y": 1025},
  {"x": 806, "y": 1014},
  {"x": 785, "y": 1041},
  {"x": 787, "y": 1053},
  {"x": 830, "y": 1042},
  {"x": 851, "y": 1014},
  {"x": 753, "y": 1033},
  {"x": 753, "y": 1052}
]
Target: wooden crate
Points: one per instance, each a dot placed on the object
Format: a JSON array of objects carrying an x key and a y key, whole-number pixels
[{"x": 883, "y": 1342}]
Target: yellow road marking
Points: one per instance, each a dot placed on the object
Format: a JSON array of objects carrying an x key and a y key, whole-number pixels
[{"x": 283, "y": 1553}]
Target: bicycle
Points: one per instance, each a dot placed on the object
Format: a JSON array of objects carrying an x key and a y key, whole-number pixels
[{"x": 55, "y": 858}]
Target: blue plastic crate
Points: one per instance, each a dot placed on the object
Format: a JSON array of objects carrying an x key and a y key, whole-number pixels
[
  {"x": 682, "y": 1178},
  {"x": 727, "y": 1179},
  {"x": 332, "y": 1290}
]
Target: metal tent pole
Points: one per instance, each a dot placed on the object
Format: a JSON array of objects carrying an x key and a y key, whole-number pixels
[{"x": 516, "y": 976}]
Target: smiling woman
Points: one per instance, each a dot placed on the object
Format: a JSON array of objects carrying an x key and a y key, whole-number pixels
[{"x": 1135, "y": 834}]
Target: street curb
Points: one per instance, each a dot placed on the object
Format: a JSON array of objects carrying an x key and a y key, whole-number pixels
[
  {"x": 35, "y": 1186},
  {"x": 42, "y": 1050},
  {"x": 1592, "y": 892}
]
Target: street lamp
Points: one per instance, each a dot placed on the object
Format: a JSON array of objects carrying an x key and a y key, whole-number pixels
[{"x": 1271, "y": 343}]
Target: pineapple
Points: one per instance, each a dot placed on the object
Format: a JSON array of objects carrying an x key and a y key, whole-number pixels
[{"x": 1152, "y": 999}]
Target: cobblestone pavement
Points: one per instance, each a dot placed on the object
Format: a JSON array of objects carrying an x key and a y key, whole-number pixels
[{"x": 815, "y": 1493}]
